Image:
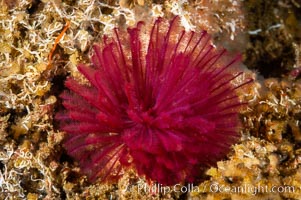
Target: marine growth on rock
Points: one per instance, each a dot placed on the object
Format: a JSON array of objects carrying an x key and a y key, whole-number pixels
[{"x": 160, "y": 99}]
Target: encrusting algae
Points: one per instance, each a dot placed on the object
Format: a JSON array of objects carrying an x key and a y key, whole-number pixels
[{"x": 33, "y": 162}]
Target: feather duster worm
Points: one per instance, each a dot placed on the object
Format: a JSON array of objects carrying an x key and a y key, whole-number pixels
[{"x": 160, "y": 100}]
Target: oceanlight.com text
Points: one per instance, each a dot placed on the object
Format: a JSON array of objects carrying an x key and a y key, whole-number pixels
[{"x": 250, "y": 189}]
